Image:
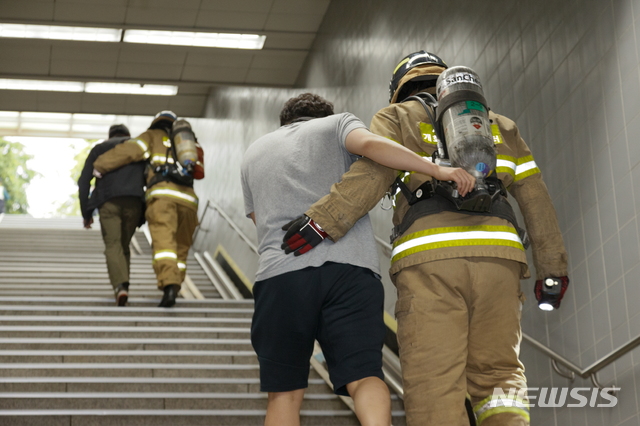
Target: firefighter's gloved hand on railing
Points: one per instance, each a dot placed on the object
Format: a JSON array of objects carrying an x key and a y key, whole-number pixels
[
  {"x": 550, "y": 291},
  {"x": 302, "y": 235}
]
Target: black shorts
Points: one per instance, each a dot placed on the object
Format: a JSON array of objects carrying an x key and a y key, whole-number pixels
[{"x": 337, "y": 304}]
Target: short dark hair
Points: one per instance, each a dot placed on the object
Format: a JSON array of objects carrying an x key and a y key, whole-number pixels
[
  {"x": 305, "y": 105},
  {"x": 118, "y": 130}
]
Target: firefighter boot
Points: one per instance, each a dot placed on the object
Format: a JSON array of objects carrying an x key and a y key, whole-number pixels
[{"x": 170, "y": 293}]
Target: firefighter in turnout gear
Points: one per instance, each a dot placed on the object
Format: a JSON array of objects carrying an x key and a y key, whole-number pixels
[
  {"x": 172, "y": 204},
  {"x": 456, "y": 272}
]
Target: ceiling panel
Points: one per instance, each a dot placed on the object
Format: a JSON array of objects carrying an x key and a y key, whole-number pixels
[
  {"x": 28, "y": 58},
  {"x": 138, "y": 105},
  {"x": 41, "y": 10},
  {"x": 59, "y": 101},
  {"x": 18, "y": 100},
  {"x": 220, "y": 58},
  {"x": 253, "y": 6},
  {"x": 172, "y": 17},
  {"x": 151, "y": 55},
  {"x": 164, "y": 4},
  {"x": 287, "y": 40},
  {"x": 290, "y": 27},
  {"x": 98, "y": 13},
  {"x": 92, "y": 70},
  {"x": 293, "y": 22},
  {"x": 87, "y": 52},
  {"x": 230, "y": 75},
  {"x": 305, "y": 7},
  {"x": 231, "y": 21},
  {"x": 148, "y": 72},
  {"x": 99, "y": 103}
]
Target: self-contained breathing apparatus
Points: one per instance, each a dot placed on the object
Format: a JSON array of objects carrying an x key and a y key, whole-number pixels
[
  {"x": 181, "y": 164},
  {"x": 462, "y": 126}
]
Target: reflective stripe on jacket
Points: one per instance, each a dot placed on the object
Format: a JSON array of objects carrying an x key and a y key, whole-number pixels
[{"x": 153, "y": 146}]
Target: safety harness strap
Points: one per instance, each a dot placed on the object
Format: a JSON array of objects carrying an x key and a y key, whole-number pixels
[{"x": 438, "y": 204}]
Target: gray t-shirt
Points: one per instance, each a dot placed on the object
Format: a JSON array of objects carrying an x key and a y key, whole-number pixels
[{"x": 283, "y": 174}]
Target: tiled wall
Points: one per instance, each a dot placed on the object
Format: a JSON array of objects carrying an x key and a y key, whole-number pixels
[{"x": 567, "y": 73}]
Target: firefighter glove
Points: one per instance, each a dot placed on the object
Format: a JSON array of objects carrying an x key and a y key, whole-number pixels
[
  {"x": 302, "y": 235},
  {"x": 553, "y": 299}
]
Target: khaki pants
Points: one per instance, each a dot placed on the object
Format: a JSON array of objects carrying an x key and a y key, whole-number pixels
[
  {"x": 459, "y": 332},
  {"x": 119, "y": 218},
  {"x": 171, "y": 226}
]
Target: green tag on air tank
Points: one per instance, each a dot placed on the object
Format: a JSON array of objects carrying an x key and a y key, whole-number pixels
[{"x": 472, "y": 105}]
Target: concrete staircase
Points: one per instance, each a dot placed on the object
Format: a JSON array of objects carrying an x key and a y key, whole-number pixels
[{"x": 69, "y": 357}]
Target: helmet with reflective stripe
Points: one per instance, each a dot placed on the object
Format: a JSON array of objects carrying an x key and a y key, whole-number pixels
[
  {"x": 429, "y": 67},
  {"x": 168, "y": 116}
]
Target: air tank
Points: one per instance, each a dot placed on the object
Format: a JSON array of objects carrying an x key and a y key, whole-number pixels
[
  {"x": 184, "y": 142},
  {"x": 465, "y": 122}
]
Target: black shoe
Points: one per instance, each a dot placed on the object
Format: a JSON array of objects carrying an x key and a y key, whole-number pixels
[
  {"x": 122, "y": 294},
  {"x": 170, "y": 293}
]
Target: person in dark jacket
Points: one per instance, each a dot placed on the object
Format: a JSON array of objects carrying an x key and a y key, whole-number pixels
[{"x": 119, "y": 198}]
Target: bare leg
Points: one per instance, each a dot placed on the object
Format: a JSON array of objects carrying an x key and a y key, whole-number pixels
[
  {"x": 283, "y": 408},
  {"x": 372, "y": 401}
]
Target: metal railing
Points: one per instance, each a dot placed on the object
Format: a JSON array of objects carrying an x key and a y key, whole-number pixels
[
  {"x": 212, "y": 204},
  {"x": 590, "y": 372}
]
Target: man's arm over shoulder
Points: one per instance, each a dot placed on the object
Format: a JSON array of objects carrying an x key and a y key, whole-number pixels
[
  {"x": 355, "y": 195},
  {"x": 360, "y": 188},
  {"x": 129, "y": 151},
  {"x": 549, "y": 253}
]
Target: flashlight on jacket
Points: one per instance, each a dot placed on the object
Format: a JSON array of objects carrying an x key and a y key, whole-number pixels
[{"x": 551, "y": 289}]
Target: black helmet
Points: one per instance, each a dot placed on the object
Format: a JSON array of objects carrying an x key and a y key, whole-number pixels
[{"x": 409, "y": 62}]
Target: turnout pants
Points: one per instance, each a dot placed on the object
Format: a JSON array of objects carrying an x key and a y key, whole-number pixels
[
  {"x": 119, "y": 218},
  {"x": 459, "y": 332},
  {"x": 171, "y": 226}
]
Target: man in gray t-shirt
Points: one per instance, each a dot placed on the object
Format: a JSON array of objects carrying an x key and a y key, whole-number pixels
[
  {"x": 286, "y": 171},
  {"x": 336, "y": 295}
]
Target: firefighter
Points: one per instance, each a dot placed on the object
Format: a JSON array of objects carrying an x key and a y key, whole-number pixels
[
  {"x": 456, "y": 273},
  {"x": 172, "y": 203}
]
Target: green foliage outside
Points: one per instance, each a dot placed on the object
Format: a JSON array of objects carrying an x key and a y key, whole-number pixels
[
  {"x": 15, "y": 175},
  {"x": 71, "y": 206}
]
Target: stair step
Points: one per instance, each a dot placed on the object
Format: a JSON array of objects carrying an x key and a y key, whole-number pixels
[
  {"x": 141, "y": 384},
  {"x": 174, "y": 417}
]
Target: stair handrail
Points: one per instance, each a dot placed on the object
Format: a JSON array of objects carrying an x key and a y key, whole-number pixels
[
  {"x": 212, "y": 204},
  {"x": 591, "y": 372}
]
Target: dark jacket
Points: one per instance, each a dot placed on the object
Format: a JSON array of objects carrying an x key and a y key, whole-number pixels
[{"x": 127, "y": 181}]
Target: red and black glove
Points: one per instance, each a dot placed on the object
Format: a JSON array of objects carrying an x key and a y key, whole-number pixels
[
  {"x": 302, "y": 235},
  {"x": 553, "y": 300}
]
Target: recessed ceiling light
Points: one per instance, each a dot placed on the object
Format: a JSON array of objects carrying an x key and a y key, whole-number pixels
[
  {"x": 89, "y": 87},
  {"x": 54, "y": 32},
  {"x": 55, "y": 86},
  {"x": 184, "y": 38},
  {"x": 131, "y": 89},
  {"x": 174, "y": 38}
]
